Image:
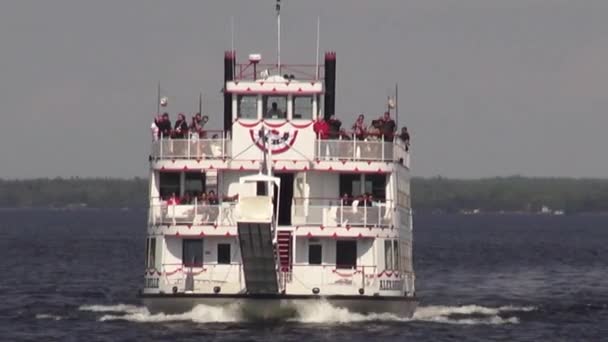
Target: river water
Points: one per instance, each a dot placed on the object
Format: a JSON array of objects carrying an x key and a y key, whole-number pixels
[{"x": 74, "y": 275}]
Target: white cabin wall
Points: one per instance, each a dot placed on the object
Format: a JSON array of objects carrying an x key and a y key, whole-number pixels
[
  {"x": 324, "y": 184},
  {"x": 231, "y": 186},
  {"x": 210, "y": 249},
  {"x": 173, "y": 251},
  {"x": 365, "y": 252},
  {"x": 301, "y": 250}
]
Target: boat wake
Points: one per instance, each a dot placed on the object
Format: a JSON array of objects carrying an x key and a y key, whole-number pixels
[{"x": 319, "y": 313}]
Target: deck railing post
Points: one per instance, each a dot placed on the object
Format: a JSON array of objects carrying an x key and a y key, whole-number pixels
[
  {"x": 364, "y": 213},
  {"x": 341, "y": 213},
  {"x": 223, "y": 144},
  {"x": 382, "y": 148},
  {"x": 173, "y": 210},
  {"x": 188, "y": 148},
  {"x": 195, "y": 209},
  {"x": 354, "y": 146},
  {"x": 160, "y": 141}
]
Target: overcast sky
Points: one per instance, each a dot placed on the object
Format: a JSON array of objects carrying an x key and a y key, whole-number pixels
[{"x": 487, "y": 87}]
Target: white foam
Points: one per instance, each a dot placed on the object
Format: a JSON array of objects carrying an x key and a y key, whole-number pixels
[
  {"x": 123, "y": 308},
  {"x": 140, "y": 314},
  {"x": 483, "y": 315},
  {"x": 323, "y": 312},
  {"x": 48, "y": 316},
  {"x": 317, "y": 312}
]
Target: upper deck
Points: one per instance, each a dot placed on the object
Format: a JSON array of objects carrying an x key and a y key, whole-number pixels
[{"x": 294, "y": 143}]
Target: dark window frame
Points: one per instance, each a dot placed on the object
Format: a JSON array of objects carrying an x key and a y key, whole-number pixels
[
  {"x": 222, "y": 258},
  {"x": 185, "y": 249},
  {"x": 318, "y": 259},
  {"x": 341, "y": 254}
]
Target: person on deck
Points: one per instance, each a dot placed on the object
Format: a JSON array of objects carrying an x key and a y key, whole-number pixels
[
  {"x": 274, "y": 112},
  {"x": 173, "y": 200},
  {"x": 359, "y": 129},
  {"x": 195, "y": 126},
  {"x": 388, "y": 127},
  {"x": 321, "y": 128},
  {"x": 405, "y": 137},
  {"x": 334, "y": 127},
  {"x": 155, "y": 127},
  {"x": 165, "y": 126},
  {"x": 181, "y": 127}
]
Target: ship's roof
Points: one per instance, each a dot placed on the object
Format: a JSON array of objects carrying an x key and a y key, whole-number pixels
[{"x": 275, "y": 84}]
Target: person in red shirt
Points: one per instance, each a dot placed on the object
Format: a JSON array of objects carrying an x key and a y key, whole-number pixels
[
  {"x": 173, "y": 200},
  {"x": 321, "y": 127}
]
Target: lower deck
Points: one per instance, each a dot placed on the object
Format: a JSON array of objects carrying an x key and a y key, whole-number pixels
[{"x": 305, "y": 265}]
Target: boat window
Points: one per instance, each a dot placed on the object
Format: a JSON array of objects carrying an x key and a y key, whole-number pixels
[
  {"x": 148, "y": 253},
  {"x": 315, "y": 254},
  {"x": 223, "y": 253},
  {"x": 346, "y": 254},
  {"x": 192, "y": 252},
  {"x": 275, "y": 107},
  {"x": 168, "y": 184},
  {"x": 152, "y": 253},
  {"x": 396, "y": 254},
  {"x": 195, "y": 183},
  {"x": 247, "y": 106},
  {"x": 376, "y": 185},
  {"x": 350, "y": 184},
  {"x": 388, "y": 254},
  {"x": 302, "y": 107}
]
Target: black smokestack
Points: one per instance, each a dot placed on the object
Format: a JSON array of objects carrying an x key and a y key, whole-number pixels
[
  {"x": 229, "y": 61},
  {"x": 330, "y": 85}
]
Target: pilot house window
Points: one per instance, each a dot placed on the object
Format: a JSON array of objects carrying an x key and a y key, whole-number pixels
[
  {"x": 275, "y": 107},
  {"x": 302, "y": 107},
  {"x": 247, "y": 107}
]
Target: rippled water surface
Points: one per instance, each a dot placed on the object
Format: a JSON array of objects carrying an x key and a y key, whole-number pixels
[{"x": 73, "y": 276}]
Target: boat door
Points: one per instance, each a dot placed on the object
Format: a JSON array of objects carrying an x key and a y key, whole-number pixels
[{"x": 286, "y": 198}]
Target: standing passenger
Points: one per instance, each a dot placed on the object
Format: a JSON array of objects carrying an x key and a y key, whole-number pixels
[
  {"x": 181, "y": 127},
  {"x": 359, "y": 128}
]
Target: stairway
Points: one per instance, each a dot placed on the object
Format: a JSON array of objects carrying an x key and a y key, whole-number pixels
[
  {"x": 284, "y": 258},
  {"x": 284, "y": 250},
  {"x": 257, "y": 253}
]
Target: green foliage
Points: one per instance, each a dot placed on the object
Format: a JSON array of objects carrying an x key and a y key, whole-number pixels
[
  {"x": 510, "y": 194},
  {"x": 428, "y": 194},
  {"x": 60, "y": 192}
]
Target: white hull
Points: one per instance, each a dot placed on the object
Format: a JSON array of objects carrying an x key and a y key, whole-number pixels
[{"x": 280, "y": 307}]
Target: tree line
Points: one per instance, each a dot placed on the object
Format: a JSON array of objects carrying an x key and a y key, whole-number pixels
[{"x": 513, "y": 194}]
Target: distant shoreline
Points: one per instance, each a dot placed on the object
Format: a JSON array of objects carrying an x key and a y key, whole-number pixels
[{"x": 507, "y": 195}]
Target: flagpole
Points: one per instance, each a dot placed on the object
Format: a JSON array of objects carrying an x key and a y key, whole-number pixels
[{"x": 158, "y": 99}]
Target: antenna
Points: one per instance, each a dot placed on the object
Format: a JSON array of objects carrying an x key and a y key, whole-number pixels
[
  {"x": 200, "y": 103},
  {"x": 232, "y": 33},
  {"x": 158, "y": 99},
  {"x": 278, "y": 8},
  {"x": 317, "y": 57},
  {"x": 397, "y": 105}
]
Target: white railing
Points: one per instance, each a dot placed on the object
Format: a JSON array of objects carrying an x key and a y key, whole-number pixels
[
  {"x": 192, "y": 214},
  {"x": 336, "y": 212},
  {"x": 205, "y": 277},
  {"x": 370, "y": 149},
  {"x": 167, "y": 148}
]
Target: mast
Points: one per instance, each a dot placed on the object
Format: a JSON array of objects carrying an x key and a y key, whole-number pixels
[
  {"x": 158, "y": 99},
  {"x": 278, "y": 8}
]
